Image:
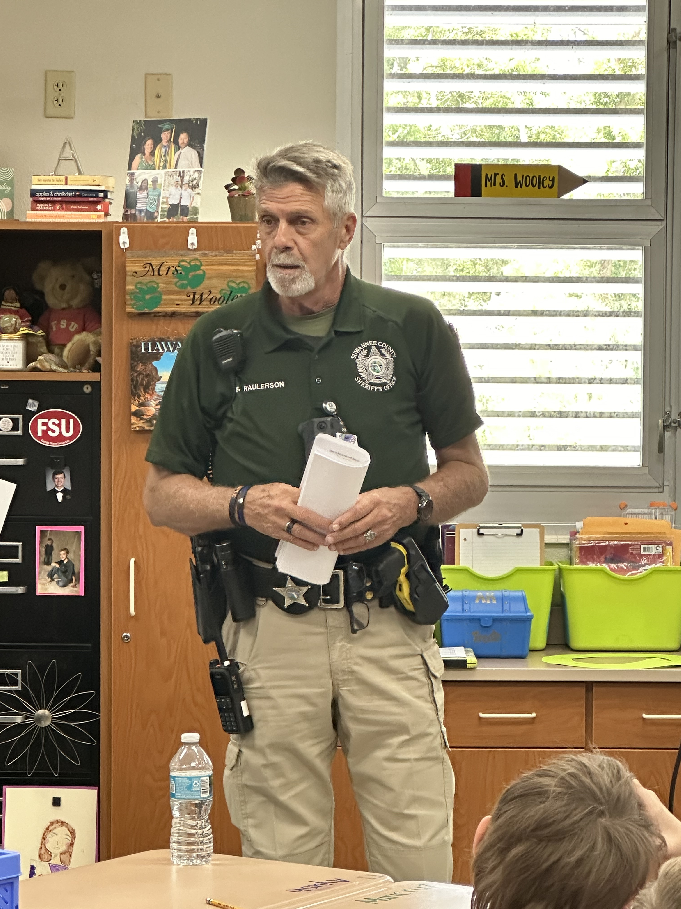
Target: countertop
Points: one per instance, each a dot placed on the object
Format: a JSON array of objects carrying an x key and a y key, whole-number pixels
[{"x": 532, "y": 669}]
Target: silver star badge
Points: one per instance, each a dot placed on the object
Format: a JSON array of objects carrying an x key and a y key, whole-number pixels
[{"x": 292, "y": 593}]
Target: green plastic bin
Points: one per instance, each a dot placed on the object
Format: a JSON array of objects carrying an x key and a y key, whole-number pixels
[
  {"x": 608, "y": 611},
  {"x": 537, "y": 582}
]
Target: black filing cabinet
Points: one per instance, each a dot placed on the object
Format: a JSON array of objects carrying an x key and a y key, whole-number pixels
[{"x": 49, "y": 609}]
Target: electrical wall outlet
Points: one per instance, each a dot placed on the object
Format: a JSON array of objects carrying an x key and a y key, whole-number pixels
[
  {"x": 60, "y": 93},
  {"x": 158, "y": 95}
]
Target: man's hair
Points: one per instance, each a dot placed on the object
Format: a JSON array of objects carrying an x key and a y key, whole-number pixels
[
  {"x": 315, "y": 167},
  {"x": 572, "y": 834},
  {"x": 183, "y": 132},
  {"x": 64, "y": 549},
  {"x": 56, "y": 473},
  {"x": 665, "y": 892}
]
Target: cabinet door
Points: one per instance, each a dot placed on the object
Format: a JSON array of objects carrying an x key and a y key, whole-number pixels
[
  {"x": 158, "y": 684},
  {"x": 481, "y": 775},
  {"x": 348, "y": 835},
  {"x": 653, "y": 769}
]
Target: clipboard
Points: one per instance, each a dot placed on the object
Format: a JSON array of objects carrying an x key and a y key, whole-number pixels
[{"x": 494, "y": 549}]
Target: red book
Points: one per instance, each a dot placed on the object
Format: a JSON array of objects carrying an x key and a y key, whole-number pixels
[{"x": 73, "y": 204}]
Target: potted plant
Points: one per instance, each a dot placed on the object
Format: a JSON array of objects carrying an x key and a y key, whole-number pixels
[{"x": 241, "y": 196}]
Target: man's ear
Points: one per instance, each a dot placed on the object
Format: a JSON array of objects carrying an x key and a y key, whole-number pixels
[
  {"x": 480, "y": 832},
  {"x": 348, "y": 226}
]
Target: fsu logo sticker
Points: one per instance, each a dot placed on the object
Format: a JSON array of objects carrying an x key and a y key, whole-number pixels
[
  {"x": 375, "y": 361},
  {"x": 55, "y": 428}
]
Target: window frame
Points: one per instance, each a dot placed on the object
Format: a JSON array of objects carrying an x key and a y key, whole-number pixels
[
  {"x": 376, "y": 205},
  {"x": 577, "y": 223}
]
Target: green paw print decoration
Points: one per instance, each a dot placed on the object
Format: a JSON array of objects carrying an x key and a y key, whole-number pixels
[
  {"x": 146, "y": 296},
  {"x": 190, "y": 274},
  {"x": 235, "y": 289}
]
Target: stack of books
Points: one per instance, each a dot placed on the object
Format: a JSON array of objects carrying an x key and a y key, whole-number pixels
[{"x": 72, "y": 197}]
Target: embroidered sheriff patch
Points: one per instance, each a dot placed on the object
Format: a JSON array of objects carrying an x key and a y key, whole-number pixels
[{"x": 375, "y": 362}]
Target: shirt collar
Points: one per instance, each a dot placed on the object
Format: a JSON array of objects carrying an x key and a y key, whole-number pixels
[{"x": 349, "y": 315}]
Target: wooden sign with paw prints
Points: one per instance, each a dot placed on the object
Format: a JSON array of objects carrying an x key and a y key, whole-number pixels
[{"x": 189, "y": 282}]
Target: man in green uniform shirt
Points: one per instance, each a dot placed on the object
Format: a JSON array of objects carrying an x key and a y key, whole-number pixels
[{"x": 317, "y": 342}]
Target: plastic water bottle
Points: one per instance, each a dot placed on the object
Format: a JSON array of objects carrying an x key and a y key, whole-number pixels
[{"x": 191, "y": 797}]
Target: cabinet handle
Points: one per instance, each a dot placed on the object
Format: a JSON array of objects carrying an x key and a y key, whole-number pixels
[
  {"x": 12, "y": 718},
  {"x": 132, "y": 586},
  {"x": 12, "y": 590},
  {"x": 507, "y": 716},
  {"x": 661, "y": 716},
  {"x": 13, "y": 462}
]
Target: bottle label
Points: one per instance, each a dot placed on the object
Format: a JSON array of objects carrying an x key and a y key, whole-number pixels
[{"x": 191, "y": 787}]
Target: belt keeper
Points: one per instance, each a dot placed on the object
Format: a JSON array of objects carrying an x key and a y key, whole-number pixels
[{"x": 239, "y": 502}]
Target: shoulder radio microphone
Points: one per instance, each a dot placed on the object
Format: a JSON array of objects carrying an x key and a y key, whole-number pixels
[{"x": 228, "y": 347}]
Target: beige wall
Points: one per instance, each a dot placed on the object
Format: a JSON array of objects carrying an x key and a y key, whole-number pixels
[{"x": 262, "y": 71}]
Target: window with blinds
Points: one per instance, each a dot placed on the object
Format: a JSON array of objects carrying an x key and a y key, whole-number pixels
[
  {"x": 514, "y": 82},
  {"x": 553, "y": 342}
]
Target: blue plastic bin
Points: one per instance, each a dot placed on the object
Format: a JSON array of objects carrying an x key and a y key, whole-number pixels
[
  {"x": 493, "y": 623},
  {"x": 10, "y": 870}
]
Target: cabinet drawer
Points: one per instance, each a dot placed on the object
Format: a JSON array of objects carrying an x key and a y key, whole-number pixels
[
  {"x": 637, "y": 716},
  {"x": 516, "y": 715}
]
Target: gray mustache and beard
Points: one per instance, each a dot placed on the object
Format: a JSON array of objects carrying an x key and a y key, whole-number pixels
[{"x": 293, "y": 284}]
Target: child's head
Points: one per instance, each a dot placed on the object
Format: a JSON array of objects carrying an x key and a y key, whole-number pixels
[{"x": 571, "y": 834}]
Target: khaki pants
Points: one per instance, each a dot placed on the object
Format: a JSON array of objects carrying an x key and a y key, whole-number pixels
[{"x": 310, "y": 683}]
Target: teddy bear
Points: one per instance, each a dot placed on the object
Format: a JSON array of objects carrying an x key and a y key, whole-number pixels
[{"x": 71, "y": 323}]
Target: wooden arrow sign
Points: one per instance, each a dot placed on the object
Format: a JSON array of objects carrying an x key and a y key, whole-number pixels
[{"x": 515, "y": 181}]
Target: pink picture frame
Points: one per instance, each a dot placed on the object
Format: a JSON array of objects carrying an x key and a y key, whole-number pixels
[{"x": 60, "y": 560}]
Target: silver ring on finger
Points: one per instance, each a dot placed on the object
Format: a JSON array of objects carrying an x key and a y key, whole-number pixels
[
  {"x": 289, "y": 527},
  {"x": 370, "y": 535}
]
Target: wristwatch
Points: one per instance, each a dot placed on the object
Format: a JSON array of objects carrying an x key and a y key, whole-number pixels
[{"x": 424, "y": 510}]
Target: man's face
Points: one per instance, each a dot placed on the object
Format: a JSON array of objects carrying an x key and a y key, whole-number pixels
[
  {"x": 63, "y": 554},
  {"x": 165, "y": 136},
  {"x": 183, "y": 140},
  {"x": 299, "y": 241},
  {"x": 59, "y": 480}
]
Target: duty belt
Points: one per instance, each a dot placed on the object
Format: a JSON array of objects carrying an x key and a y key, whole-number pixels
[{"x": 347, "y": 585}]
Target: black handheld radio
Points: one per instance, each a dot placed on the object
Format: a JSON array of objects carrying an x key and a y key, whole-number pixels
[{"x": 211, "y": 605}]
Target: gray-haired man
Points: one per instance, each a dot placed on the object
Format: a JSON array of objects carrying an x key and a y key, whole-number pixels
[{"x": 317, "y": 340}]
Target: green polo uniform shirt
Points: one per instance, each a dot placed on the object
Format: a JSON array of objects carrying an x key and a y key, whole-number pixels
[{"x": 390, "y": 363}]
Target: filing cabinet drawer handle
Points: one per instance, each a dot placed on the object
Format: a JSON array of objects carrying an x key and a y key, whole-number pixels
[
  {"x": 507, "y": 716},
  {"x": 132, "y": 586},
  {"x": 13, "y": 462},
  {"x": 661, "y": 716},
  {"x": 12, "y": 718}
]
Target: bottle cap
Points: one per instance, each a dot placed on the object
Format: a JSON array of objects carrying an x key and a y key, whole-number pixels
[{"x": 190, "y": 738}]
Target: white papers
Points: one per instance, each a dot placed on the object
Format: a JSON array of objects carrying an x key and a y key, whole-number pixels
[
  {"x": 6, "y": 493},
  {"x": 333, "y": 477}
]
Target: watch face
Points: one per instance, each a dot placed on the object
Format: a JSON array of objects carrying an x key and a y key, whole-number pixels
[
  {"x": 425, "y": 506},
  {"x": 425, "y": 509}
]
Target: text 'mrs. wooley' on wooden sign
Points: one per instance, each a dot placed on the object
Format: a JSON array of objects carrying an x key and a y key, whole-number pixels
[
  {"x": 515, "y": 181},
  {"x": 184, "y": 282}
]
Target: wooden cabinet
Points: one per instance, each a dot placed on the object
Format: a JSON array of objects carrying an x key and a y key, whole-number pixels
[
  {"x": 155, "y": 682},
  {"x": 497, "y": 731}
]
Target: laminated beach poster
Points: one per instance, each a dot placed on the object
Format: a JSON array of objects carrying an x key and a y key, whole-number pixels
[{"x": 151, "y": 361}]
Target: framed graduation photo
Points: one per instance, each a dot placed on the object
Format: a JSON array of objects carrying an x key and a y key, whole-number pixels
[{"x": 59, "y": 561}]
